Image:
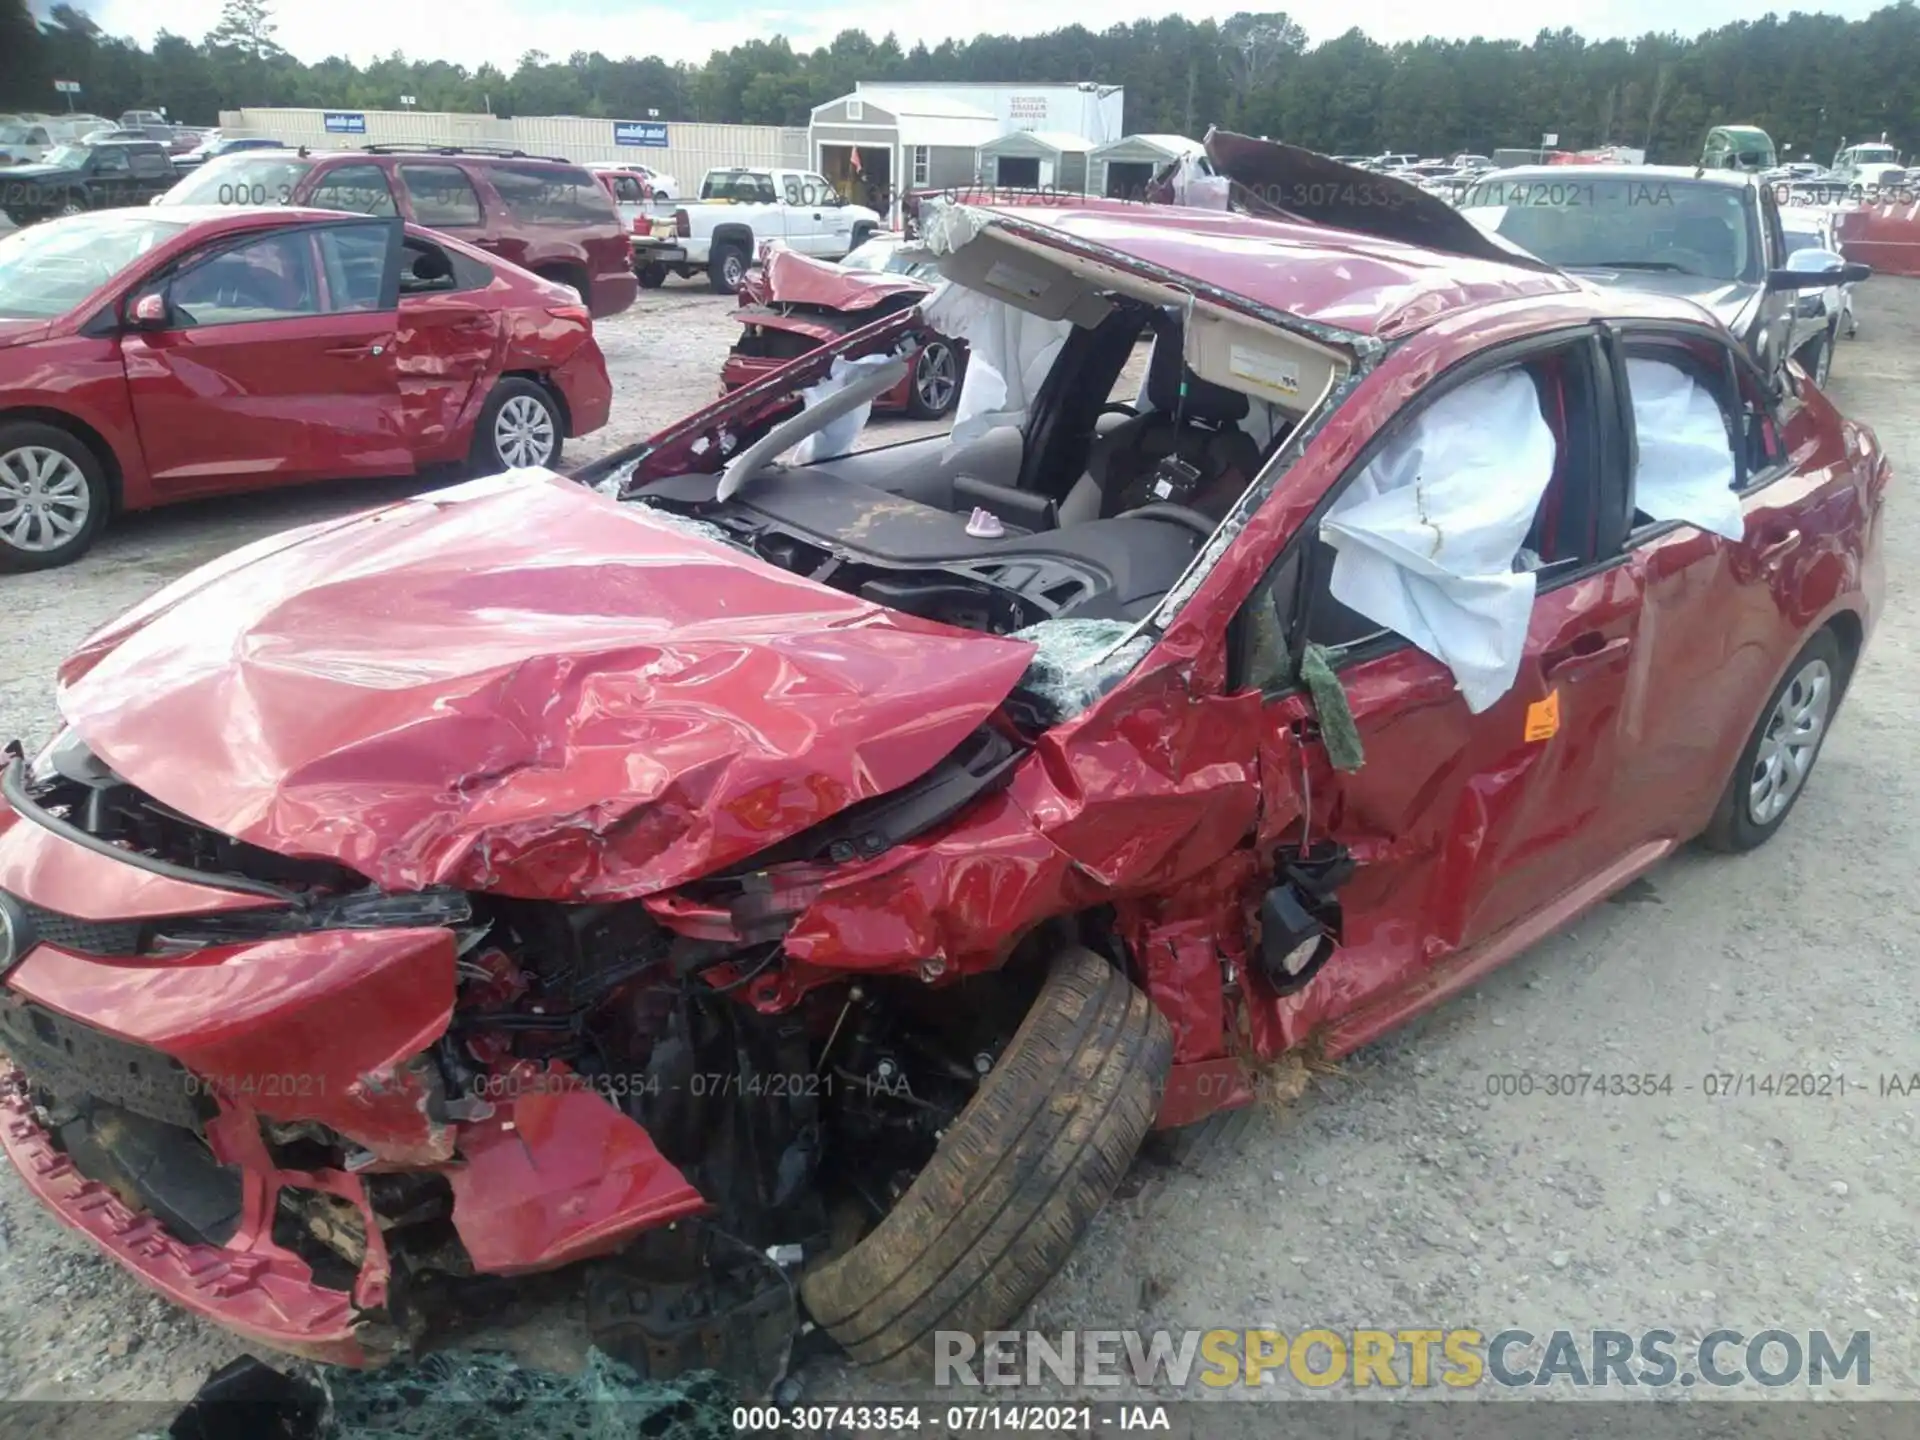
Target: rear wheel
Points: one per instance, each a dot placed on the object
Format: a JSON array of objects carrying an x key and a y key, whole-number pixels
[
  {"x": 651, "y": 277},
  {"x": 936, "y": 381},
  {"x": 727, "y": 267},
  {"x": 1780, "y": 753},
  {"x": 1016, "y": 1178},
  {"x": 519, "y": 428},
  {"x": 53, "y": 496}
]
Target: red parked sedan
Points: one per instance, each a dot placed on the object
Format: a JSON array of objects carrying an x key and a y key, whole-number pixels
[{"x": 148, "y": 356}]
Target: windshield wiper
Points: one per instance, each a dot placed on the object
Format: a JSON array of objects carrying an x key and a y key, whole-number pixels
[{"x": 1631, "y": 265}]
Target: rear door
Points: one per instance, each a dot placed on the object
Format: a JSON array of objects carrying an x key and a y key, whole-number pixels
[
  {"x": 1725, "y": 612},
  {"x": 449, "y": 344},
  {"x": 442, "y": 196},
  {"x": 276, "y": 363}
]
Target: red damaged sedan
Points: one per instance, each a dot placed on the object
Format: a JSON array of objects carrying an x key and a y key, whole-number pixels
[
  {"x": 148, "y": 356},
  {"x": 749, "y": 884},
  {"x": 792, "y": 304}
]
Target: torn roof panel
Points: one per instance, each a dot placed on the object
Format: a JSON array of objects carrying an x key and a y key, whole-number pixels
[{"x": 1332, "y": 278}]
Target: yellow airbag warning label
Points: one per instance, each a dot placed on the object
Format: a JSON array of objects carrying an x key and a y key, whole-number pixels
[{"x": 1543, "y": 717}]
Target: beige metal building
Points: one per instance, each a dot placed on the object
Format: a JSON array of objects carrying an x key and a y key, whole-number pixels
[{"x": 683, "y": 151}]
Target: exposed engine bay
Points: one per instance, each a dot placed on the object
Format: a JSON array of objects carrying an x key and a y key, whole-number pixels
[{"x": 799, "y": 1128}]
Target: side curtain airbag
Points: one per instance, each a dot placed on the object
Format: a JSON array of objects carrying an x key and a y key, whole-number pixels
[{"x": 1427, "y": 535}]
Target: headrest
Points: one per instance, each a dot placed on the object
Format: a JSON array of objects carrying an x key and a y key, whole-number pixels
[{"x": 1207, "y": 402}]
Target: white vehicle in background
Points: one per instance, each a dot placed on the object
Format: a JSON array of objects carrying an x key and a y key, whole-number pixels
[
  {"x": 24, "y": 142},
  {"x": 1866, "y": 165},
  {"x": 660, "y": 185},
  {"x": 738, "y": 209},
  {"x": 1828, "y": 313}
]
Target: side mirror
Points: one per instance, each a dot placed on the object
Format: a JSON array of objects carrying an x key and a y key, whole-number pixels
[
  {"x": 149, "y": 312},
  {"x": 1834, "y": 272}
]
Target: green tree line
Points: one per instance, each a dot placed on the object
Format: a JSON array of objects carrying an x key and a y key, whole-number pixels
[{"x": 1808, "y": 80}]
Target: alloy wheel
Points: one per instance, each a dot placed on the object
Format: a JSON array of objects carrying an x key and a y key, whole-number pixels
[
  {"x": 934, "y": 377},
  {"x": 1791, "y": 741},
  {"x": 44, "y": 499},
  {"x": 523, "y": 433},
  {"x": 733, "y": 270}
]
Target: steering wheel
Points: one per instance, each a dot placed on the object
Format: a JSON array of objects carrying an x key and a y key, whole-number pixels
[
  {"x": 1183, "y": 515},
  {"x": 1118, "y": 407}
]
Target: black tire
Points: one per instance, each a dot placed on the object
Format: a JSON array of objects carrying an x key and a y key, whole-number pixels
[
  {"x": 489, "y": 455},
  {"x": 727, "y": 267},
  {"x": 1734, "y": 827},
  {"x": 16, "y": 440},
  {"x": 1015, "y": 1181},
  {"x": 934, "y": 391},
  {"x": 74, "y": 204},
  {"x": 651, "y": 277}
]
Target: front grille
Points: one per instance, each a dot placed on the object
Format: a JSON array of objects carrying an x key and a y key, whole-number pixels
[
  {"x": 72, "y": 1061},
  {"x": 103, "y": 939}
]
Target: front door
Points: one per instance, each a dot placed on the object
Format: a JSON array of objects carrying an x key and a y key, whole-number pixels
[
  {"x": 276, "y": 361},
  {"x": 1465, "y": 826}
]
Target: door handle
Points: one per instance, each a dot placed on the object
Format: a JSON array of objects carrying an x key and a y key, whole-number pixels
[
  {"x": 358, "y": 352},
  {"x": 1779, "y": 545},
  {"x": 1585, "y": 653}
]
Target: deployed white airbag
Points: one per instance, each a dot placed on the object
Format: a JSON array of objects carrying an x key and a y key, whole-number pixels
[
  {"x": 1686, "y": 467},
  {"x": 1427, "y": 535},
  {"x": 839, "y": 435},
  {"x": 1009, "y": 353}
]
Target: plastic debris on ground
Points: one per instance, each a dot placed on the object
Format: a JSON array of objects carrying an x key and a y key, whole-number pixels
[
  {"x": 1426, "y": 536},
  {"x": 1076, "y": 663},
  {"x": 455, "y": 1395}
]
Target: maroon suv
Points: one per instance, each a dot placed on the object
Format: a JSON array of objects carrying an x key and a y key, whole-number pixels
[{"x": 545, "y": 215}]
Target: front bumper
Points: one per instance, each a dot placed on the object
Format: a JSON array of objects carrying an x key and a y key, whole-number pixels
[
  {"x": 326, "y": 1028},
  {"x": 258, "y": 1291}
]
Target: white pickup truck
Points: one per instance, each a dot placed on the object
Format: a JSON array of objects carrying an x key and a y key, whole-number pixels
[{"x": 721, "y": 232}]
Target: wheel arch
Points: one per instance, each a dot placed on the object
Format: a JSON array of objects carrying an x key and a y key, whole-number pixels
[
  {"x": 85, "y": 434},
  {"x": 734, "y": 232}
]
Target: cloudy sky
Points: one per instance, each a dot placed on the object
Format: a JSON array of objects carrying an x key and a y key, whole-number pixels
[{"x": 473, "y": 32}]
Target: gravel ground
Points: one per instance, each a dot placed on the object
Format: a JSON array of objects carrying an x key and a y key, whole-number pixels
[{"x": 1396, "y": 1192}]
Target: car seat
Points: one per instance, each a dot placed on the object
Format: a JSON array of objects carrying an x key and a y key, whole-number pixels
[
  {"x": 1203, "y": 430},
  {"x": 1708, "y": 236}
]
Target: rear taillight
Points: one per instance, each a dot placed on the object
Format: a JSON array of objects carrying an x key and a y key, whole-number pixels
[
  {"x": 577, "y": 314},
  {"x": 682, "y": 226}
]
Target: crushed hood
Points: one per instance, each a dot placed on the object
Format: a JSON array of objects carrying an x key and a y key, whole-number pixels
[
  {"x": 786, "y": 277},
  {"x": 1731, "y": 301},
  {"x": 520, "y": 686}
]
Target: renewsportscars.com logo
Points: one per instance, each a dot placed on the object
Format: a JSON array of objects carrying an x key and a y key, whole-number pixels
[{"x": 1401, "y": 1359}]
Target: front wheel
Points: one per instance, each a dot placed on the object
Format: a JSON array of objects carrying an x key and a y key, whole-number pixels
[
  {"x": 519, "y": 428},
  {"x": 53, "y": 497},
  {"x": 1779, "y": 755},
  {"x": 1015, "y": 1181}
]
